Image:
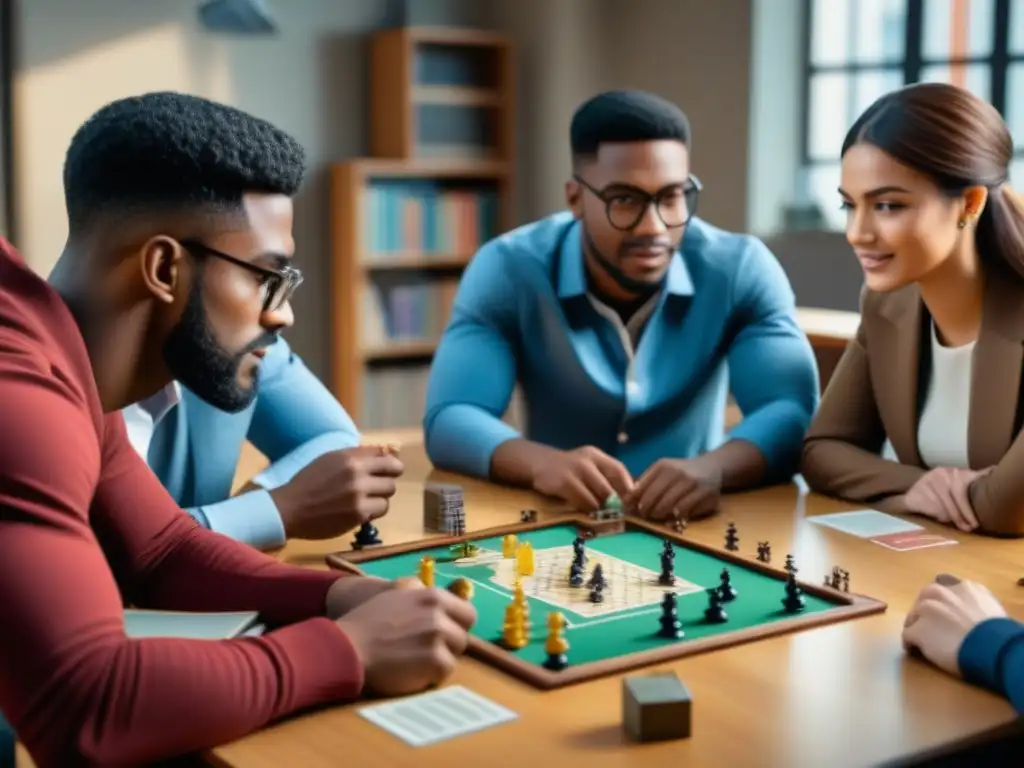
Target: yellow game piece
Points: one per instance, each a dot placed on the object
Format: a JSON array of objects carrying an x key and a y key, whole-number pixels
[
  {"x": 462, "y": 587},
  {"x": 427, "y": 571},
  {"x": 514, "y": 634},
  {"x": 508, "y": 546},
  {"x": 524, "y": 559},
  {"x": 519, "y": 598},
  {"x": 556, "y": 643}
]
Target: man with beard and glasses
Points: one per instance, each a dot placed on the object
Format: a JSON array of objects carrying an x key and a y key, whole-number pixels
[
  {"x": 191, "y": 432},
  {"x": 176, "y": 266},
  {"x": 625, "y": 322}
]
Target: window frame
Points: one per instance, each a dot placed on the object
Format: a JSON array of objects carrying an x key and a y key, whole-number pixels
[{"x": 912, "y": 64}]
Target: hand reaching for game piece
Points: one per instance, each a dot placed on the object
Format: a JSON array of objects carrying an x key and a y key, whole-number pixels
[
  {"x": 676, "y": 488},
  {"x": 942, "y": 494},
  {"x": 943, "y": 615},
  {"x": 409, "y": 639},
  {"x": 584, "y": 477},
  {"x": 338, "y": 492}
]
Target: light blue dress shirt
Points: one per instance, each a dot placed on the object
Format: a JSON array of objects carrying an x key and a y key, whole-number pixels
[{"x": 726, "y": 319}]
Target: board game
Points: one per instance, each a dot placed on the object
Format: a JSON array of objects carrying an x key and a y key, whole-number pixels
[{"x": 638, "y": 615}]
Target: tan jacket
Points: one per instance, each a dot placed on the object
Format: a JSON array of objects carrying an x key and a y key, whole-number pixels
[{"x": 877, "y": 392}]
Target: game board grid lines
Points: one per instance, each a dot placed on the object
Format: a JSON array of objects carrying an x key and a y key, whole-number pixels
[{"x": 631, "y": 590}]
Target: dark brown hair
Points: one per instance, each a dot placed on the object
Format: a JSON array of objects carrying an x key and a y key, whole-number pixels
[{"x": 960, "y": 141}]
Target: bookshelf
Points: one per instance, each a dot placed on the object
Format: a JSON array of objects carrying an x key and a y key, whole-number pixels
[{"x": 407, "y": 220}]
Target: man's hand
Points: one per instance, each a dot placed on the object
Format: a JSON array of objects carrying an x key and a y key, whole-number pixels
[
  {"x": 945, "y": 612},
  {"x": 409, "y": 639},
  {"x": 338, "y": 492},
  {"x": 676, "y": 488},
  {"x": 942, "y": 494},
  {"x": 350, "y": 592},
  {"x": 584, "y": 477}
]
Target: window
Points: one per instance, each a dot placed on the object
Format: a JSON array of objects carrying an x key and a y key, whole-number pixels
[{"x": 860, "y": 49}]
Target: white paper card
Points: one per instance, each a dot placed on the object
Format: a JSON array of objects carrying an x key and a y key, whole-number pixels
[
  {"x": 865, "y": 523},
  {"x": 428, "y": 718}
]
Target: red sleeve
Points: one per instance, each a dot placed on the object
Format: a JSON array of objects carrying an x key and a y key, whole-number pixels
[
  {"x": 165, "y": 559},
  {"x": 75, "y": 688}
]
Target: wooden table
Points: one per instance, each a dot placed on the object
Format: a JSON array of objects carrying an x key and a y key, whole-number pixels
[{"x": 842, "y": 695}]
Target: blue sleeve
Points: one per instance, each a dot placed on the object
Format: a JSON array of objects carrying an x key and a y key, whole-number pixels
[
  {"x": 251, "y": 518},
  {"x": 296, "y": 418},
  {"x": 992, "y": 656},
  {"x": 773, "y": 374},
  {"x": 473, "y": 372}
]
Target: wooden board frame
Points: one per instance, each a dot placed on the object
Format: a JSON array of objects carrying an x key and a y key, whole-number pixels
[{"x": 849, "y": 605}]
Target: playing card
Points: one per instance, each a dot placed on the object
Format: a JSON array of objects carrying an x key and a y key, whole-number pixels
[{"x": 904, "y": 542}]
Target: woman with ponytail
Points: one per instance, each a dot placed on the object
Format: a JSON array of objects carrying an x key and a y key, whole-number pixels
[{"x": 936, "y": 365}]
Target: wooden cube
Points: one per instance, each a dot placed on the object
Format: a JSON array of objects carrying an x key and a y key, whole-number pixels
[{"x": 656, "y": 707}]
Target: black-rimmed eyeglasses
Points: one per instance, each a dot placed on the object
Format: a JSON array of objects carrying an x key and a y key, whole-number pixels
[
  {"x": 276, "y": 285},
  {"x": 626, "y": 205}
]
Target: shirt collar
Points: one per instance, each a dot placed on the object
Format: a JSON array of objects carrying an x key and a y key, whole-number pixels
[
  {"x": 158, "y": 405},
  {"x": 572, "y": 280}
]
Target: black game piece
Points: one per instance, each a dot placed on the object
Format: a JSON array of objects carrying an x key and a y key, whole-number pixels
[
  {"x": 667, "y": 550},
  {"x": 528, "y": 516},
  {"x": 732, "y": 540},
  {"x": 846, "y": 581},
  {"x": 671, "y": 627},
  {"x": 579, "y": 549},
  {"x": 595, "y": 594},
  {"x": 764, "y": 551},
  {"x": 793, "y": 602},
  {"x": 366, "y": 536},
  {"x": 668, "y": 576},
  {"x": 597, "y": 578},
  {"x": 715, "y": 613},
  {"x": 726, "y": 590},
  {"x": 576, "y": 576},
  {"x": 790, "y": 566}
]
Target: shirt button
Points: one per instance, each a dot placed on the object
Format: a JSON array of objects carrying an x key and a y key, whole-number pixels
[{"x": 623, "y": 437}]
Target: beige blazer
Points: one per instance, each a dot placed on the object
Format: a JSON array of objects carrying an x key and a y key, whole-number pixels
[{"x": 877, "y": 391}]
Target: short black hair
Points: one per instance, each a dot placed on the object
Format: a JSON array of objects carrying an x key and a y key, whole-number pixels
[
  {"x": 167, "y": 150},
  {"x": 620, "y": 116}
]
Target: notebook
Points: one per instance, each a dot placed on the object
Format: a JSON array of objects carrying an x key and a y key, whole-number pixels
[{"x": 194, "y": 626}]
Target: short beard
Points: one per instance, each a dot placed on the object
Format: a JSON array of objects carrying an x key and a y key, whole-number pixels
[
  {"x": 198, "y": 362},
  {"x": 625, "y": 282}
]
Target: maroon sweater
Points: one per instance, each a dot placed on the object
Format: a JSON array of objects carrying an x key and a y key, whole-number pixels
[{"x": 85, "y": 528}]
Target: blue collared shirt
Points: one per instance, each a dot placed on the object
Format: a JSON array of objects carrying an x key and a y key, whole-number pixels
[{"x": 726, "y": 319}]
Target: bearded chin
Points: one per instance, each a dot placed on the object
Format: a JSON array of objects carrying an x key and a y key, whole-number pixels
[{"x": 198, "y": 362}]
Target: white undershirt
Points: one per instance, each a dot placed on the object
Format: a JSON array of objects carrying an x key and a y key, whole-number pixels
[
  {"x": 942, "y": 429},
  {"x": 141, "y": 419}
]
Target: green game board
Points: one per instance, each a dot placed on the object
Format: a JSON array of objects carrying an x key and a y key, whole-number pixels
[{"x": 622, "y": 631}]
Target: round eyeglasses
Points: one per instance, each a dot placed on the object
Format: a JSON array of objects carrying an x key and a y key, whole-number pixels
[{"x": 626, "y": 205}]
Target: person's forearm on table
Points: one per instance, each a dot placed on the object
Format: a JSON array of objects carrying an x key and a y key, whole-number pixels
[
  {"x": 515, "y": 462},
  {"x": 739, "y": 464}
]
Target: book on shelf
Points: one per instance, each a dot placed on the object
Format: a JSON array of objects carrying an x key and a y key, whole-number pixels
[
  {"x": 416, "y": 311},
  {"x": 428, "y": 218}
]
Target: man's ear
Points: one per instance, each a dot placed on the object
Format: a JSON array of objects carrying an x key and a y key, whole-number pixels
[
  {"x": 574, "y": 198},
  {"x": 160, "y": 260}
]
